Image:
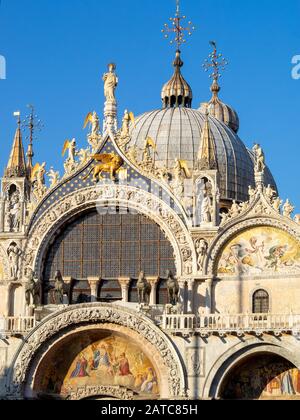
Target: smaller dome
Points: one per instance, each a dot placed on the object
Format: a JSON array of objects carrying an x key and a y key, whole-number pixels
[
  {"x": 221, "y": 111},
  {"x": 177, "y": 92}
]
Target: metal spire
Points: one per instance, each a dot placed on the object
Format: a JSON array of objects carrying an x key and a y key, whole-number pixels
[
  {"x": 216, "y": 63},
  {"x": 33, "y": 123},
  {"x": 177, "y": 28}
]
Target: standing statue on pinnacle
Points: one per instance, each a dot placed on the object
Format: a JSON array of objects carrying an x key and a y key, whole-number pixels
[
  {"x": 110, "y": 83},
  {"x": 260, "y": 165}
]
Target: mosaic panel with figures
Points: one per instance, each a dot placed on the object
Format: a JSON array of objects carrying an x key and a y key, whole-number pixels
[
  {"x": 260, "y": 250},
  {"x": 110, "y": 361}
]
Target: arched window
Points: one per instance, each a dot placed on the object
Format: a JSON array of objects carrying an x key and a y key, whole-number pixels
[
  {"x": 261, "y": 302},
  {"x": 108, "y": 246},
  {"x": 162, "y": 292}
]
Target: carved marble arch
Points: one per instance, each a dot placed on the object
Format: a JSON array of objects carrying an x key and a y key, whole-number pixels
[
  {"x": 108, "y": 195},
  {"x": 82, "y": 322},
  {"x": 231, "y": 232}
]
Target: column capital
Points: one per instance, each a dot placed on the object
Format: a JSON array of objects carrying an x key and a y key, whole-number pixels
[
  {"x": 67, "y": 280},
  {"x": 93, "y": 281},
  {"x": 124, "y": 281},
  {"x": 153, "y": 280},
  {"x": 190, "y": 283},
  {"x": 209, "y": 281},
  {"x": 182, "y": 283}
]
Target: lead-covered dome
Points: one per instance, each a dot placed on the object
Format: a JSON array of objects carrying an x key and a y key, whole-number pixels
[
  {"x": 177, "y": 133},
  {"x": 220, "y": 110}
]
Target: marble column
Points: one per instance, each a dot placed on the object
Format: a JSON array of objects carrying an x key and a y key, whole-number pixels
[
  {"x": 7, "y": 299},
  {"x": 190, "y": 300},
  {"x": 2, "y": 213},
  {"x": 94, "y": 283},
  {"x": 125, "y": 283},
  {"x": 208, "y": 296},
  {"x": 182, "y": 295},
  {"x": 153, "y": 282}
]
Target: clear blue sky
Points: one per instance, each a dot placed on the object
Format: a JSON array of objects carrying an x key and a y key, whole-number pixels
[{"x": 57, "y": 51}]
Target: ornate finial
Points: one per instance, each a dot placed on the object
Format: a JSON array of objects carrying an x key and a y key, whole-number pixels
[
  {"x": 177, "y": 28},
  {"x": 33, "y": 123},
  {"x": 217, "y": 63},
  {"x": 18, "y": 115}
]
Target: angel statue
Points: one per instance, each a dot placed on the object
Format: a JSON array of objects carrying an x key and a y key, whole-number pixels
[
  {"x": 259, "y": 159},
  {"x": 287, "y": 209},
  {"x": 38, "y": 180},
  {"x": 110, "y": 83},
  {"x": 94, "y": 136},
  {"x": 93, "y": 119},
  {"x": 70, "y": 163},
  {"x": 124, "y": 132},
  {"x": 180, "y": 173},
  {"x": 53, "y": 176},
  {"x": 147, "y": 161}
]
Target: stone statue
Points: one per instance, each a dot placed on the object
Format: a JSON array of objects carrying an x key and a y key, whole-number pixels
[
  {"x": 270, "y": 193},
  {"x": 14, "y": 253},
  {"x": 125, "y": 125},
  {"x": 252, "y": 192},
  {"x": 173, "y": 289},
  {"x": 59, "y": 289},
  {"x": 132, "y": 154},
  {"x": 259, "y": 159},
  {"x": 178, "y": 179},
  {"x": 288, "y": 209},
  {"x": 144, "y": 289},
  {"x": 297, "y": 218},
  {"x": 70, "y": 163},
  {"x": 147, "y": 161},
  {"x": 110, "y": 83},
  {"x": 32, "y": 289},
  {"x": 94, "y": 136},
  {"x": 277, "y": 204},
  {"x": 38, "y": 180},
  {"x": 206, "y": 210},
  {"x": 244, "y": 206},
  {"x": 14, "y": 213},
  {"x": 84, "y": 155},
  {"x": 53, "y": 176},
  {"x": 224, "y": 218},
  {"x": 201, "y": 248},
  {"x": 95, "y": 123},
  {"x": 235, "y": 209}
]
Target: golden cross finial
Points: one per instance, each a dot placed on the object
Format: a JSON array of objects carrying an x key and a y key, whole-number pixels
[
  {"x": 177, "y": 29},
  {"x": 216, "y": 62}
]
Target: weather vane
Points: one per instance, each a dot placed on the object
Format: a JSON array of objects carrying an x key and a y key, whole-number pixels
[
  {"x": 216, "y": 62},
  {"x": 177, "y": 29},
  {"x": 33, "y": 123}
]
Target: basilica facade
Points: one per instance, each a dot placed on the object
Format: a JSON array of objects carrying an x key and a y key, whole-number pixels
[{"x": 161, "y": 265}]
